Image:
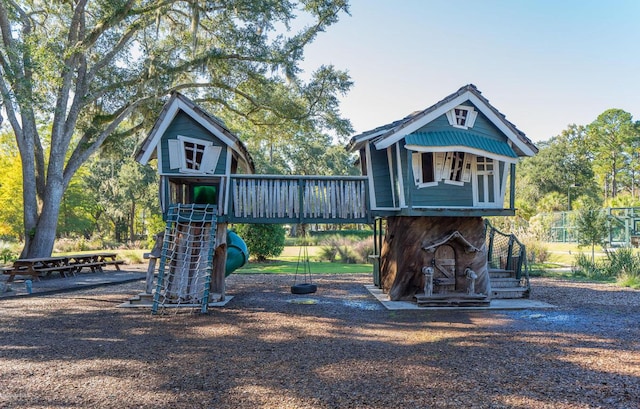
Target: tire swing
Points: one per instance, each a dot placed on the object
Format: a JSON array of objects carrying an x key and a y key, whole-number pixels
[{"x": 306, "y": 287}]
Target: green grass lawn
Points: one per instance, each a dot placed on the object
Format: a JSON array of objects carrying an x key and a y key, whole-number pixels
[{"x": 316, "y": 267}]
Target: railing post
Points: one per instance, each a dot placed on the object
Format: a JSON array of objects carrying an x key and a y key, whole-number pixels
[
  {"x": 523, "y": 255},
  {"x": 509, "y": 265},
  {"x": 301, "y": 189},
  {"x": 492, "y": 233}
]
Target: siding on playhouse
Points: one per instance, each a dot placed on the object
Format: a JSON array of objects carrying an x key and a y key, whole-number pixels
[
  {"x": 184, "y": 125},
  {"x": 381, "y": 177},
  {"x": 394, "y": 190},
  {"x": 482, "y": 126},
  {"x": 446, "y": 195}
]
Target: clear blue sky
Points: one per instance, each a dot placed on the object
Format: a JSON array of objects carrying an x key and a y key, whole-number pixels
[{"x": 545, "y": 64}]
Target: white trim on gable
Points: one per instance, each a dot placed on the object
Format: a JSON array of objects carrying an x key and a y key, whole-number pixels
[
  {"x": 175, "y": 106},
  {"x": 396, "y": 136},
  {"x": 488, "y": 112},
  {"x": 412, "y": 127}
]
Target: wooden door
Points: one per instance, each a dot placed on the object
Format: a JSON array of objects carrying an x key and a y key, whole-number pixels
[{"x": 445, "y": 267}]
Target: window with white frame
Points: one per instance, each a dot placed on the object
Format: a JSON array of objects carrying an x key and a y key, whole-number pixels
[
  {"x": 462, "y": 116},
  {"x": 424, "y": 168},
  {"x": 431, "y": 167},
  {"x": 457, "y": 168},
  {"x": 487, "y": 186},
  {"x": 191, "y": 155}
]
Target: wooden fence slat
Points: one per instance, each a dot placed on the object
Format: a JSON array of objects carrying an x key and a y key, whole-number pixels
[{"x": 322, "y": 198}]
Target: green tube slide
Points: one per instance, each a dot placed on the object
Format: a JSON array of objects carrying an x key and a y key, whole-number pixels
[{"x": 237, "y": 253}]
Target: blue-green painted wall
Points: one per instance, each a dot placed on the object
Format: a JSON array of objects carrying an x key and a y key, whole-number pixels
[
  {"x": 444, "y": 194},
  {"x": 483, "y": 126},
  {"x": 184, "y": 125},
  {"x": 381, "y": 178}
]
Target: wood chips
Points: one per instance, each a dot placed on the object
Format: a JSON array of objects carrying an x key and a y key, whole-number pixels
[{"x": 78, "y": 349}]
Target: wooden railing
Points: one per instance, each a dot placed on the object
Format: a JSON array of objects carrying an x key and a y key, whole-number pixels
[
  {"x": 297, "y": 199},
  {"x": 506, "y": 252}
]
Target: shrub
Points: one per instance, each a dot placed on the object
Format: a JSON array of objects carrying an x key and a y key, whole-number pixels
[
  {"x": 586, "y": 267},
  {"x": 623, "y": 263},
  {"x": 6, "y": 254},
  {"x": 334, "y": 247},
  {"x": 328, "y": 253},
  {"x": 537, "y": 252},
  {"x": 263, "y": 240},
  {"x": 364, "y": 249},
  {"x": 347, "y": 250}
]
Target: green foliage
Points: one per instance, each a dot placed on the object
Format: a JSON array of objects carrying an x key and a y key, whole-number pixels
[
  {"x": 537, "y": 252},
  {"x": 623, "y": 200},
  {"x": 587, "y": 267},
  {"x": 591, "y": 228},
  {"x": 348, "y": 250},
  {"x": 263, "y": 240},
  {"x": 552, "y": 202},
  {"x": 561, "y": 167},
  {"x": 92, "y": 74},
  {"x": 11, "y": 218},
  {"x": 122, "y": 194},
  {"x": 623, "y": 263},
  {"x": 289, "y": 267},
  {"x": 353, "y": 234},
  {"x": 613, "y": 138},
  {"x": 7, "y": 254}
]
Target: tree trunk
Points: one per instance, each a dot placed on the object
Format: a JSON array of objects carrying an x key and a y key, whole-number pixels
[
  {"x": 403, "y": 256},
  {"x": 43, "y": 237}
]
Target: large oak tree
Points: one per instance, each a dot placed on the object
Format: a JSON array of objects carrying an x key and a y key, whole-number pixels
[{"x": 75, "y": 73}]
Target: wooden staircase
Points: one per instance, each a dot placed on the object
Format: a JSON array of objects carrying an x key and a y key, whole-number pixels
[
  {"x": 505, "y": 285},
  {"x": 508, "y": 266}
]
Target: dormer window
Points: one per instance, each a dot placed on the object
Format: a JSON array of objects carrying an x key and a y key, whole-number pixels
[
  {"x": 462, "y": 117},
  {"x": 191, "y": 155}
]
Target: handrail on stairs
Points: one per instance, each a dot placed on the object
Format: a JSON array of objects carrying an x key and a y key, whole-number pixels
[{"x": 506, "y": 252}]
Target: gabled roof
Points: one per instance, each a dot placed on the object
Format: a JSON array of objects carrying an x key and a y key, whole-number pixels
[
  {"x": 176, "y": 103},
  {"x": 386, "y": 135}
]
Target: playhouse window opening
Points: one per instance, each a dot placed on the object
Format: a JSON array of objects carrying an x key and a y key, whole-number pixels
[
  {"x": 428, "y": 173},
  {"x": 457, "y": 162},
  {"x": 461, "y": 116},
  {"x": 193, "y": 153}
]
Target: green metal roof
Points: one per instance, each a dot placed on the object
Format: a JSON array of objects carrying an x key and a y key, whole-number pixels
[{"x": 460, "y": 138}]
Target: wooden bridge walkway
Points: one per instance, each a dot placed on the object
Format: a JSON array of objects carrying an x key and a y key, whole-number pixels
[{"x": 297, "y": 199}]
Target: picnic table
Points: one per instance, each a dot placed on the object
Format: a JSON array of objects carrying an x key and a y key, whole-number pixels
[
  {"x": 109, "y": 258},
  {"x": 64, "y": 265},
  {"x": 36, "y": 266},
  {"x": 80, "y": 261}
]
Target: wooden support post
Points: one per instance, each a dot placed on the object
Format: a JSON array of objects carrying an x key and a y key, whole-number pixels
[
  {"x": 219, "y": 263},
  {"x": 155, "y": 254}
]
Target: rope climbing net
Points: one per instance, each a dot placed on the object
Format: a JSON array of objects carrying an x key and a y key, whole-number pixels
[{"x": 184, "y": 274}]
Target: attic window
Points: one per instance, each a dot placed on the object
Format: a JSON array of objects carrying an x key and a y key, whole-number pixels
[
  {"x": 462, "y": 117},
  {"x": 191, "y": 155}
]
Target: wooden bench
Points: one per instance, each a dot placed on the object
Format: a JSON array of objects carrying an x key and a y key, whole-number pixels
[
  {"x": 90, "y": 261},
  {"x": 116, "y": 263},
  {"x": 64, "y": 265},
  {"x": 35, "y": 267},
  {"x": 109, "y": 259}
]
